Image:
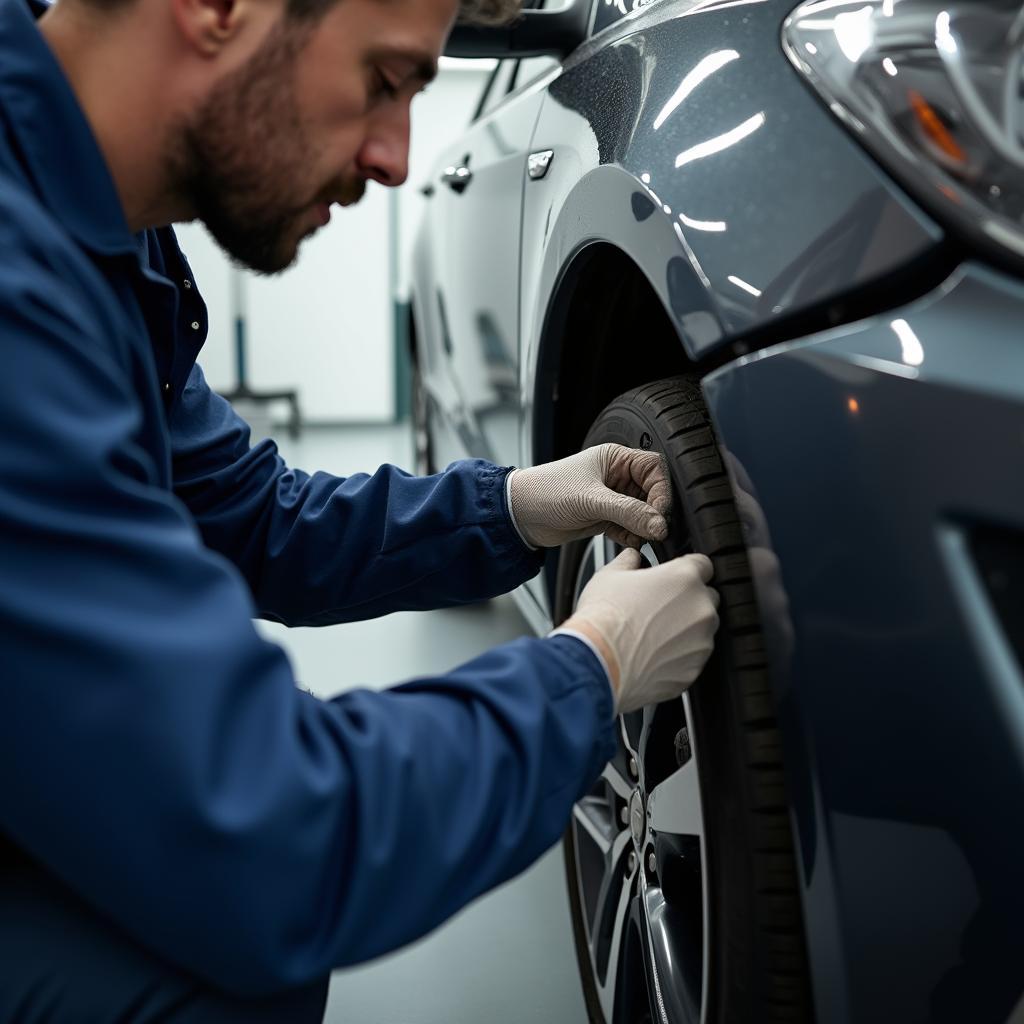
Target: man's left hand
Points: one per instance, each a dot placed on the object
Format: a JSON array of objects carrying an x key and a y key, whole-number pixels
[{"x": 623, "y": 492}]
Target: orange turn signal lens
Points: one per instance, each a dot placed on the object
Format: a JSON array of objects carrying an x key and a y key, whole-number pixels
[{"x": 933, "y": 127}]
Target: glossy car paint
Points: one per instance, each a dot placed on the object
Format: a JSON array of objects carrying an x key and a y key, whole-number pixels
[
  {"x": 773, "y": 210},
  {"x": 874, "y": 453},
  {"x": 475, "y": 287},
  {"x": 466, "y": 296},
  {"x": 682, "y": 136}
]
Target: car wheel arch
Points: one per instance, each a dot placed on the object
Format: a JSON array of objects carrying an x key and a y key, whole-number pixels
[{"x": 601, "y": 292}]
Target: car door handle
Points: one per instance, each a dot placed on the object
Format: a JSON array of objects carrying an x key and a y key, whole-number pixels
[{"x": 457, "y": 178}]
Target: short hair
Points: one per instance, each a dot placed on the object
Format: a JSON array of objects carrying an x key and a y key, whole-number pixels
[
  {"x": 488, "y": 12},
  {"x": 471, "y": 12}
]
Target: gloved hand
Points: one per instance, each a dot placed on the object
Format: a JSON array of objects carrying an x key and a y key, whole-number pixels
[
  {"x": 622, "y": 492},
  {"x": 654, "y": 627}
]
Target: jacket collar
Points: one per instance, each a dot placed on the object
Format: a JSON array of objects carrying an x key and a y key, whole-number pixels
[{"x": 55, "y": 143}]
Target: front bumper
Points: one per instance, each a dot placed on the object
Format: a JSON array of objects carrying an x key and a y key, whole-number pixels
[{"x": 885, "y": 461}]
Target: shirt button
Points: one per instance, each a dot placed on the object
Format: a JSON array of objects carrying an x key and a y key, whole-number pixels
[
  {"x": 195, "y": 325},
  {"x": 187, "y": 284},
  {"x": 167, "y": 388}
]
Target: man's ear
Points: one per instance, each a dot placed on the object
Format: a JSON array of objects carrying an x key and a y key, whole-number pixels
[{"x": 209, "y": 25}]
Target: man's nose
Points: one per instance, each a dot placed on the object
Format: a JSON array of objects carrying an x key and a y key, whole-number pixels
[{"x": 384, "y": 157}]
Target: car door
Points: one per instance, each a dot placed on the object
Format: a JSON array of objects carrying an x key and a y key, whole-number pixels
[{"x": 476, "y": 213}]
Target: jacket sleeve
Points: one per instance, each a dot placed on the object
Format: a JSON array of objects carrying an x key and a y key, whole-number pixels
[
  {"x": 318, "y": 549},
  {"x": 156, "y": 754}
]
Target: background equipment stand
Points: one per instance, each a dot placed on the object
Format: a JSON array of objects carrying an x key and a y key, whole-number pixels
[{"x": 241, "y": 394}]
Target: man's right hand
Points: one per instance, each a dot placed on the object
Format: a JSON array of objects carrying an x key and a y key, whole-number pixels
[{"x": 655, "y": 627}]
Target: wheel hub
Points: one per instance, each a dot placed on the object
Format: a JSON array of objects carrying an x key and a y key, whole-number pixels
[{"x": 637, "y": 819}]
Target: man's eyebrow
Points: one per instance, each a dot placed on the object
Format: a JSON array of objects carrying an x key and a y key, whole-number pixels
[{"x": 424, "y": 66}]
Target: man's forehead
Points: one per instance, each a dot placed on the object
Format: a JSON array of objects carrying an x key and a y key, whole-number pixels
[
  {"x": 408, "y": 35},
  {"x": 415, "y": 30}
]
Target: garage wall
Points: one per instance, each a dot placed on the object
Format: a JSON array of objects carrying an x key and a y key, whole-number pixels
[{"x": 325, "y": 326}]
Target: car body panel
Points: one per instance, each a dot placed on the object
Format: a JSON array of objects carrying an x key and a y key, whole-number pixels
[
  {"x": 876, "y": 453},
  {"x": 832, "y": 225},
  {"x": 899, "y": 690},
  {"x": 832, "y": 228},
  {"x": 707, "y": 234},
  {"x": 476, "y": 287}
]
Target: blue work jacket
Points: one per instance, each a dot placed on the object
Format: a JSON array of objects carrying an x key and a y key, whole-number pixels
[{"x": 155, "y": 753}]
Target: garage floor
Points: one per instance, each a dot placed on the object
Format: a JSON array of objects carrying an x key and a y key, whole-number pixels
[{"x": 508, "y": 957}]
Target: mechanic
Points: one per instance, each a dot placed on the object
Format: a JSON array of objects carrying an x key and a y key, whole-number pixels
[{"x": 184, "y": 833}]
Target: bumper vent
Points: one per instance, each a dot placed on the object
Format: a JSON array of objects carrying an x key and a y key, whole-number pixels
[{"x": 999, "y": 557}]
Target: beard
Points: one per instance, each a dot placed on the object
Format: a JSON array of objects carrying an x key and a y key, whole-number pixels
[{"x": 240, "y": 160}]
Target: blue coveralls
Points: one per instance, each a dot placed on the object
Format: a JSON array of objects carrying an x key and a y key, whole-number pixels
[{"x": 156, "y": 757}]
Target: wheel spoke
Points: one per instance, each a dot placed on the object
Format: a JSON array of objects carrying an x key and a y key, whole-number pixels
[
  {"x": 620, "y": 786},
  {"x": 629, "y": 731},
  {"x": 676, "y": 965},
  {"x": 674, "y": 806},
  {"x": 606, "y": 987},
  {"x": 648, "y": 715},
  {"x": 594, "y": 558},
  {"x": 592, "y": 814}
]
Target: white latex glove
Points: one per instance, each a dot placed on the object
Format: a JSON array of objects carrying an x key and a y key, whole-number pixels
[
  {"x": 654, "y": 627},
  {"x": 622, "y": 492}
]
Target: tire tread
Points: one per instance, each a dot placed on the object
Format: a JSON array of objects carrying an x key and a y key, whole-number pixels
[{"x": 677, "y": 403}]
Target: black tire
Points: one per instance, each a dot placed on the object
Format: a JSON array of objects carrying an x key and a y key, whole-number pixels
[{"x": 751, "y": 927}]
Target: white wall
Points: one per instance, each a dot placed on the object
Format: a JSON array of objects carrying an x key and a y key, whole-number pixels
[{"x": 325, "y": 326}]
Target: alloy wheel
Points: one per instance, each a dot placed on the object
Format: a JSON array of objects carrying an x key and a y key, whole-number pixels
[{"x": 640, "y": 861}]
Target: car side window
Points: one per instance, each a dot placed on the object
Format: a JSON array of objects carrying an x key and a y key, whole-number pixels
[
  {"x": 530, "y": 68},
  {"x": 607, "y": 12},
  {"x": 497, "y": 87},
  {"x": 512, "y": 72}
]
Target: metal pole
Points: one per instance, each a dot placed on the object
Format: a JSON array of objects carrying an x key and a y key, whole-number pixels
[{"x": 238, "y": 299}]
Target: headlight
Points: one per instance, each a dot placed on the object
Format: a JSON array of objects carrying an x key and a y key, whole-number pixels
[{"x": 935, "y": 91}]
